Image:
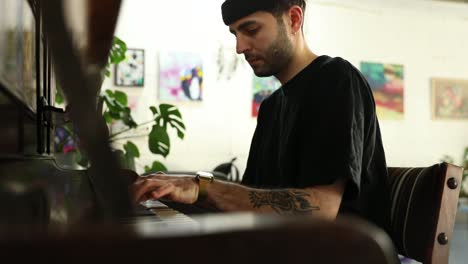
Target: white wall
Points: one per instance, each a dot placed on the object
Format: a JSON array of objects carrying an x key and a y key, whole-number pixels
[{"x": 429, "y": 38}]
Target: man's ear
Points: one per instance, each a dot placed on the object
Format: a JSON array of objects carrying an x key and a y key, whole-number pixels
[{"x": 296, "y": 18}]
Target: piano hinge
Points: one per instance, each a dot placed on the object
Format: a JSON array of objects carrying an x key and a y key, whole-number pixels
[{"x": 46, "y": 111}]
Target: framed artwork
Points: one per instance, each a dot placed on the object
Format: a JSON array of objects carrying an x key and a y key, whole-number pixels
[
  {"x": 387, "y": 83},
  {"x": 449, "y": 99},
  {"x": 262, "y": 88},
  {"x": 131, "y": 71},
  {"x": 181, "y": 77}
]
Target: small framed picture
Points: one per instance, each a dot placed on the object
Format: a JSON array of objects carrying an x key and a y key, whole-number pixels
[
  {"x": 131, "y": 71},
  {"x": 180, "y": 77},
  {"x": 449, "y": 98}
]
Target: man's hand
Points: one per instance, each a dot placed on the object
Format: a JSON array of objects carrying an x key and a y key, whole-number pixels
[{"x": 182, "y": 189}]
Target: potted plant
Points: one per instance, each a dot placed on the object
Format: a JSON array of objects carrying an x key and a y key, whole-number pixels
[{"x": 114, "y": 106}]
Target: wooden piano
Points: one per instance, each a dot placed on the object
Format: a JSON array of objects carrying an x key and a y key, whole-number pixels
[{"x": 48, "y": 213}]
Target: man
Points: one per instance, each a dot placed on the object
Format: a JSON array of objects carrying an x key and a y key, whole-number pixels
[{"x": 317, "y": 146}]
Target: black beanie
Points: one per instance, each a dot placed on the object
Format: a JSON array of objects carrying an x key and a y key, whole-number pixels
[{"x": 234, "y": 10}]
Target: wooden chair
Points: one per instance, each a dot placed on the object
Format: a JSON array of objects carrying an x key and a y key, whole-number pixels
[{"x": 423, "y": 210}]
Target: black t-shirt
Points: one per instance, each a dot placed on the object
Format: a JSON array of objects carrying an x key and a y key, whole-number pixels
[{"x": 318, "y": 127}]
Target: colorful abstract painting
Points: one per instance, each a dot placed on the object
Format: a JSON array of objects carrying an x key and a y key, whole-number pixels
[
  {"x": 131, "y": 71},
  {"x": 181, "y": 77},
  {"x": 449, "y": 99},
  {"x": 262, "y": 88},
  {"x": 387, "y": 83}
]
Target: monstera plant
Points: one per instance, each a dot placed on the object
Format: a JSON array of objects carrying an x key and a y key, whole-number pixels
[
  {"x": 164, "y": 117},
  {"x": 115, "y": 109}
]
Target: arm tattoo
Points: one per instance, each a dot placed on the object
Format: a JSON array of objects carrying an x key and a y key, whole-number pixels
[{"x": 283, "y": 202}]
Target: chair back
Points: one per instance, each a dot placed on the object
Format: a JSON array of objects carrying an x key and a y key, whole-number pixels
[{"x": 423, "y": 210}]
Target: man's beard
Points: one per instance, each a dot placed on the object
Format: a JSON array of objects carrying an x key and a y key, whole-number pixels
[{"x": 277, "y": 56}]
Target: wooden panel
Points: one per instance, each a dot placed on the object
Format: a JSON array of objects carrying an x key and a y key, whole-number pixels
[
  {"x": 448, "y": 211},
  {"x": 244, "y": 238}
]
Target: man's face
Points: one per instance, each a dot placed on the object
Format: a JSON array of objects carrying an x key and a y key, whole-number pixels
[{"x": 264, "y": 42}]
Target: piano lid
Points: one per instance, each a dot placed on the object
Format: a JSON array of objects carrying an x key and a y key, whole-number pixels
[{"x": 80, "y": 81}]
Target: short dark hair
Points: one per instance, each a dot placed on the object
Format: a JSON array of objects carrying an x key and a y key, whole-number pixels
[
  {"x": 234, "y": 10},
  {"x": 281, "y": 6}
]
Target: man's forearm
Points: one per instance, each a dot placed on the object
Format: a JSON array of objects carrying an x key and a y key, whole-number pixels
[{"x": 227, "y": 196}]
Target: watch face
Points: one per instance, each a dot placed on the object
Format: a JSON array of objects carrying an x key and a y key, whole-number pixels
[{"x": 205, "y": 175}]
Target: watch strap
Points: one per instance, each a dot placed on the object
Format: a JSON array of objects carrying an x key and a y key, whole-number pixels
[{"x": 204, "y": 179}]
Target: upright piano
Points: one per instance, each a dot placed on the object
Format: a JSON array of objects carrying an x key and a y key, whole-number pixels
[{"x": 56, "y": 214}]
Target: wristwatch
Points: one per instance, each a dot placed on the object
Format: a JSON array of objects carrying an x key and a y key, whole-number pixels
[{"x": 204, "y": 179}]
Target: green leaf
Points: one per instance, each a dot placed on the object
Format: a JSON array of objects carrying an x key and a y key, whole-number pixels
[
  {"x": 116, "y": 103},
  {"x": 58, "y": 95},
  {"x": 177, "y": 124},
  {"x": 180, "y": 134},
  {"x": 169, "y": 114},
  {"x": 168, "y": 110},
  {"x": 158, "y": 141},
  {"x": 126, "y": 117},
  {"x": 117, "y": 52},
  {"x": 109, "y": 93},
  {"x": 107, "y": 117},
  {"x": 121, "y": 97},
  {"x": 158, "y": 119},
  {"x": 114, "y": 115},
  {"x": 156, "y": 166},
  {"x": 180, "y": 130},
  {"x": 111, "y": 105},
  {"x": 131, "y": 149},
  {"x": 128, "y": 120},
  {"x": 154, "y": 110}
]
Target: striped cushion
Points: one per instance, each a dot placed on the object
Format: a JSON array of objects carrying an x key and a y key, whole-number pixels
[{"x": 414, "y": 201}]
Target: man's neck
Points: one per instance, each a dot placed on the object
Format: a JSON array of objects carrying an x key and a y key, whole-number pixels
[{"x": 301, "y": 58}]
